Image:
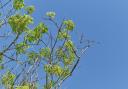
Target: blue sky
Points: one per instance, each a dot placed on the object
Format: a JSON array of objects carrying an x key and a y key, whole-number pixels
[{"x": 105, "y": 66}]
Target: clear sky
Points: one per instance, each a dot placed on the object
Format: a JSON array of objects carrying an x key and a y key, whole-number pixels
[{"x": 105, "y": 66}]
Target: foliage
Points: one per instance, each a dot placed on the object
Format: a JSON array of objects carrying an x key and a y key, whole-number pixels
[
  {"x": 8, "y": 80},
  {"x": 51, "y": 14},
  {"x": 22, "y": 87},
  {"x": 19, "y": 23},
  {"x": 32, "y": 50},
  {"x": 30, "y": 9},
  {"x": 18, "y": 4},
  {"x": 69, "y": 24}
]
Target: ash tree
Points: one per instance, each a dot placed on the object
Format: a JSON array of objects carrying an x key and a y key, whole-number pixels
[{"x": 34, "y": 56}]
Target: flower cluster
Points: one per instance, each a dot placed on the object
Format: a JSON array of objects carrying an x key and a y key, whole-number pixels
[
  {"x": 69, "y": 24},
  {"x": 21, "y": 47},
  {"x": 51, "y": 14},
  {"x": 8, "y": 80},
  {"x": 45, "y": 52},
  {"x": 56, "y": 70},
  {"x": 66, "y": 55},
  {"x": 18, "y": 4},
  {"x": 36, "y": 34},
  {"x": 63, "y": 35},
  {"x": 30, "y": 9},
  {"x": 20, "y": 23}
]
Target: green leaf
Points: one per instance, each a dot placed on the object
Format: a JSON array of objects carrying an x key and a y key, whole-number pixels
[
  {"x": 51, "y": 14},
  {"x": 30, "y": 9},
  {"x": 8, "y": 80},
  {"x": 69, "y": 45},
  {"x": 56, "y": 70},
  {"x": 20, "y": 23},
  {"x": 41, "y": 28},
  {"x": 21, "y": 47},
  {"x": 33, "y": 57},
  {"x": 37, "y": 33},
  {"x": 69, "y": 24},
  {"x": 18, "y": 4},
  {"x": 63, "y": 35},
  {"x": 22, "y": 87},
  {"x": 45, "y": 52}
]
